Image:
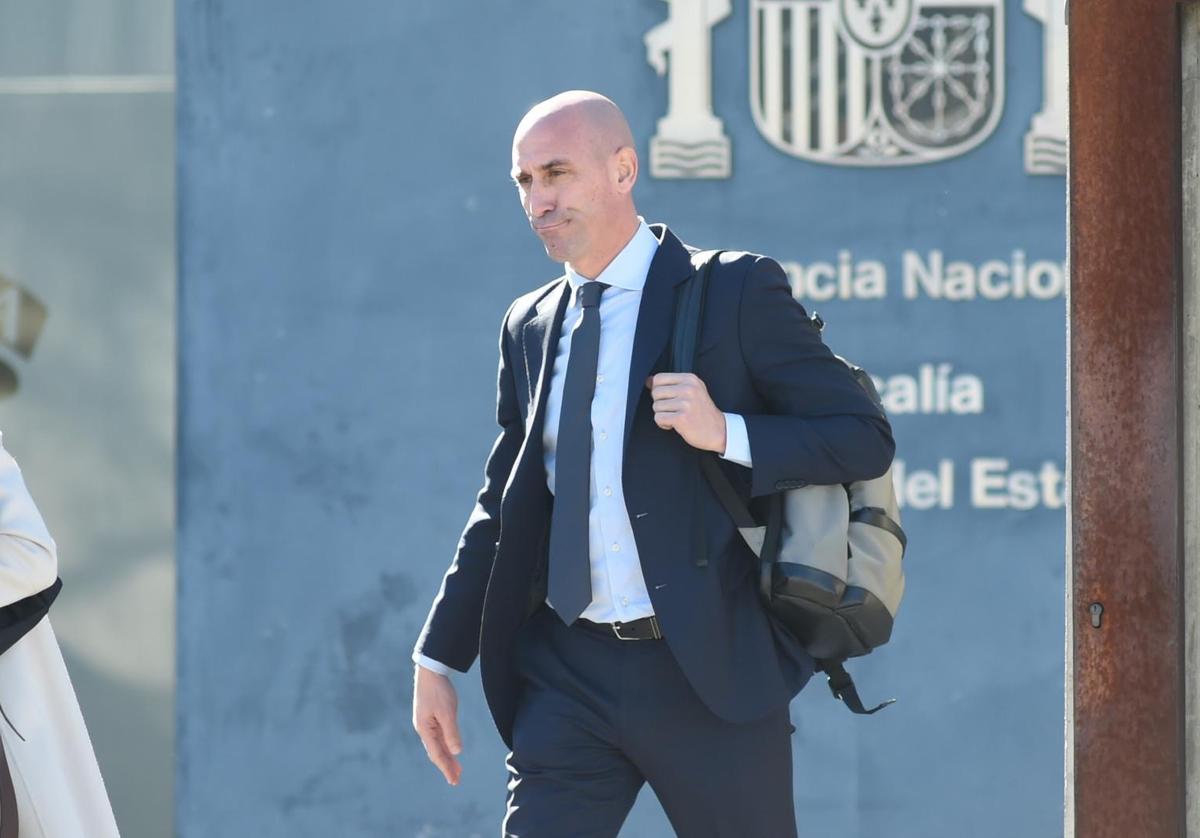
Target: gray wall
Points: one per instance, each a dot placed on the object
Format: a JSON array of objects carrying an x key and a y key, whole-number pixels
[
  {"x": 87, "y": 228},
  {"x": 1190, "y": 29},
  {"x": 348, "y": 243}
]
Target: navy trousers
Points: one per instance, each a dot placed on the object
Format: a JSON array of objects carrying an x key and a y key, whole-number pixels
[{"x": 600, "y": 716}]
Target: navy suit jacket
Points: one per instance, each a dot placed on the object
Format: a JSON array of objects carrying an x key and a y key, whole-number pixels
[{"x": 807, "y": 419}]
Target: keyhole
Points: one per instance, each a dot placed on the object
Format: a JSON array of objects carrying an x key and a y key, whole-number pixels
[{"x": 1097, "y": 610}]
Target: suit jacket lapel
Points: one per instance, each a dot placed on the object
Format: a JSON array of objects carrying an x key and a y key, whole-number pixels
[
  {"x": 540, "y": 340},
  {"x": 671, "y": 265}
]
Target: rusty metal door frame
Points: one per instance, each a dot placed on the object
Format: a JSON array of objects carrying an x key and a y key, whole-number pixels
[{"x": 1125, "y": 600}]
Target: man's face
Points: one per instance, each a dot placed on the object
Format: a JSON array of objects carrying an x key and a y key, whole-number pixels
[{"x": 566, "y": 188}]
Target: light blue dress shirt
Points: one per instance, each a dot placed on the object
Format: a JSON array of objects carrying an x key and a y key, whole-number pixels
[{"x": 618, "y": 589}]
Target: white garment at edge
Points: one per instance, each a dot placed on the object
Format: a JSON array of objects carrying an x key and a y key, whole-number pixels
[{"x": 60, "y": 793}]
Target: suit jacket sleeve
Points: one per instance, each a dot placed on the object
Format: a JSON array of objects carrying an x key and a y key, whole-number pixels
[
  {"x": 820, "y": 425},
  {"x": 28, "y": 557},
  {"x": 451, "y": 632}
]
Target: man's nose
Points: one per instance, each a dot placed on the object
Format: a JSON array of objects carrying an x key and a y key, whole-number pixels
[{"x": 541, "y": 201}]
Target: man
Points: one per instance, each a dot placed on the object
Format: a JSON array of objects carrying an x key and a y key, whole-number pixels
[{"x": 611, "y": 602}]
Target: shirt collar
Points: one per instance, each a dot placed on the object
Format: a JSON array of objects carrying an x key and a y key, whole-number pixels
[{"x": 629, "y": 268}]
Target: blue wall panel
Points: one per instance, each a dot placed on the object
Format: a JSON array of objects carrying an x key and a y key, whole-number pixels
[{"x": 349, "y": 241}]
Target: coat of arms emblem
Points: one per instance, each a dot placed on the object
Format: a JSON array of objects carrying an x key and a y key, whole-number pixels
[
  {"x": 848, "y": 82},
  {"x": 876, "y": 82}
]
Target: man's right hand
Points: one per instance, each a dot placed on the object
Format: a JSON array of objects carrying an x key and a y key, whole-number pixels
[{"x": 435, "y": 717}]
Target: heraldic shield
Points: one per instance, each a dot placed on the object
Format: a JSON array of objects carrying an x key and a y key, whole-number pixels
[{"x": 876, "y": 82}]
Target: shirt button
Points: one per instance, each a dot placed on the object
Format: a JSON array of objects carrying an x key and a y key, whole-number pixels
[
  {"x": 625, "y": 600},
  {"x": 600, "y": 379},
  {"x": 608, "y": 491},
  {"x": 616, "y": 548},
  {"x": 603, "y": 435}
]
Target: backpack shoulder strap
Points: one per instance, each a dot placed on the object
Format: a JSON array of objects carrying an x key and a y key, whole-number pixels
[
  {"x": 689, "y": 313},
  {"x": 689, "y": 310}
]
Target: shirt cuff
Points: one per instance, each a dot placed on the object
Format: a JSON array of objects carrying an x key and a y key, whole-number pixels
[
  {"x": 437, "y": 667},
  {"x": 737, "y": 441}
]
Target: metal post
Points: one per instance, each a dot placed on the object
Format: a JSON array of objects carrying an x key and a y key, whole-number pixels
[
  {"x": 1126, "y": 607},
  {"x": 1190, "y": 49}
]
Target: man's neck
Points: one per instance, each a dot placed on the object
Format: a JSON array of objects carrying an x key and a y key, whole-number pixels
[{"x": 592, "y": 268}]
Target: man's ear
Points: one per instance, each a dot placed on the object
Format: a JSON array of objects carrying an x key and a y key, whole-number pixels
[{"x": 627, "y": 168}]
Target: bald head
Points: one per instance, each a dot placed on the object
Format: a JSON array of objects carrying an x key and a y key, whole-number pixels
[
  {"x": 575, "y": 166},
  {"x": 596, "y": 118}
]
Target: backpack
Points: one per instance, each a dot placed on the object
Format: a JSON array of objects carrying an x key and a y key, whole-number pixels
[{"x": 830, "y": 557}]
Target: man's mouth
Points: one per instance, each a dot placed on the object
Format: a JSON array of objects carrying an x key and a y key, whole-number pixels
[{"x": 542, "y": 228}]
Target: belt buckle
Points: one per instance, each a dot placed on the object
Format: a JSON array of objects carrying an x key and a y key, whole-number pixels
[
  {"x": 655, "y": 631},
  {"x": 616, "y": 627}
]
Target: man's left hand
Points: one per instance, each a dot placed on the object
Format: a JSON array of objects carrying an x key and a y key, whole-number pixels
[{"x": 682, "y": 403}]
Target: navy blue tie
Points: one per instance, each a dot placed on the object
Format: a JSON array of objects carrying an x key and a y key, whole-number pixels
[{"x": 570, "y": 584}]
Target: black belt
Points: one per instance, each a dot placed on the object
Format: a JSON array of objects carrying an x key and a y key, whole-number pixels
[{"x": 647, "y": 628}]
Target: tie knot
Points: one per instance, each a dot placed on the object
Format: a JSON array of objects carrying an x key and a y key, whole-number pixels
[{"x": 589, "y": 293}]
